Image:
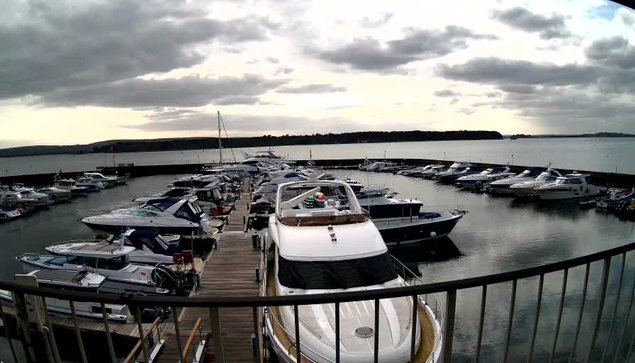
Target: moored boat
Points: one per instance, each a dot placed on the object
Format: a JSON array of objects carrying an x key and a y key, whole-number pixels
[
  {"x": 321, "y": 241},
  {"x": 525, "y": 189},
  {"x": 615, "y": 198},
  {"x": 569, "y": 186}
]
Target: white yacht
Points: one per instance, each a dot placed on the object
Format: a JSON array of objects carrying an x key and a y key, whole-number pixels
[
  {"x": 57, "y": 195},
  {"x": 501, "y": 186},
  {"x": 71, "y": 185},
  {"x": 108, "y": 259},
  {"x": 106, "y": 181},
  {"x": 90, "y": 184},
  {"x": 526, "y": 188},
  {"x": 320, "y": 241},
  {"x": 176, "y": 192},
  {"x": 419, "y": 171},
  {"x": 432, "y": 172},
  {"x": 454, "y": 172},
  {"x": 567, "y": 187},
  {"x": 165, "y": 216},
  {"x": 484, "y": 177},
  {"x": 19, "y": 192}
]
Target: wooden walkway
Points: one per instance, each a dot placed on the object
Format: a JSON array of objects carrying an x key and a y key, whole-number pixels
[{"x": 229, "y": 271}]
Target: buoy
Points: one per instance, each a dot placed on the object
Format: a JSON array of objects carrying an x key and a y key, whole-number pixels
[{"x": 433, "y": 234}]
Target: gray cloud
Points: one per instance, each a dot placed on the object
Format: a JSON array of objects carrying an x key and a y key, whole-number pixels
[
  {"x": 467, "y": 111},
  {"x": 188, "y": 91},
  {"x": 548, "y": 27},
  {"x": 376, "y": 22},
  {"x": 283, "y": 70},
  {"x": 194, "y": 120},
  {"x": 311, "y": 88},
  {"x": 517, "y": 88},
  {"x": 446, "y": 93},
  {"x": 417, "y": 44},
  {"x": 49, "y": 46},
  {"x": 499, "y": 71},
  {"x": 612, "y": 52}
]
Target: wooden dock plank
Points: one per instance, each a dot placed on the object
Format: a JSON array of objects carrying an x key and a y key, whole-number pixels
[{"x": 229, "y": 271}]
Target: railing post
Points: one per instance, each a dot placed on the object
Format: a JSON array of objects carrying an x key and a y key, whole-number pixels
[
  {"x": 559, "y": 321},
  {"x": 177, "y": 330},
  {"x": 580, "y": 314},
  {"x": 538, "y": 304},
  {"x": 512, "y": 305},
  {"x": 628, "y": 317},
  {"x": 617, "y": 304},
  {"x": 144, "y": 347},
  {"x": 296, "y": 318},
  {"x": 53, "y": 342},
  {"x": 257, "y": 332},
  {"x": 479, "y": 340},
  {"x": 111, "y": 349},
  {"x": 216, "y": 334},
  {"x": 448, "y": 333},
  {"x": 376, "y": 336},
  {"x": 78, "y": 334},
  {"x": 337, "y": 332},
  {"x": 605, "y": 278},
  {"x": 413, "y": 341}
]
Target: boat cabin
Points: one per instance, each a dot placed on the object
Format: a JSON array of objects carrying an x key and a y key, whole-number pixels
[{"x": 186, "y": 208}]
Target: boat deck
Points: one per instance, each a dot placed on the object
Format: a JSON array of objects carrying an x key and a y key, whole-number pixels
[
  {"x": 425, "y": 347},
  {"x": 228, "y": 271}
]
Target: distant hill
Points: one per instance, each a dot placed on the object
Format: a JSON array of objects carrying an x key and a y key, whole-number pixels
[
  {"x": 242, "y": 142},
  {"x": 597, "y": 134}
]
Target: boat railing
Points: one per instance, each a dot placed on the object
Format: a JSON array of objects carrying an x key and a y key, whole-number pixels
[{"x": 607, "y": 319}]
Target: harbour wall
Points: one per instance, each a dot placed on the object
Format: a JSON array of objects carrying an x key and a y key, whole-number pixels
[{"x": 598, "y": 178}]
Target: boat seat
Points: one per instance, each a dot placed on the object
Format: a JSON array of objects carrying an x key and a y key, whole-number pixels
[{"x": 324, "y": 220}]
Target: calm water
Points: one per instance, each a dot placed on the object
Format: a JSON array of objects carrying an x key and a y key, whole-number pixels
[
  {"x": 586, "y": 154},
  {"x": 498, "y": 234}
]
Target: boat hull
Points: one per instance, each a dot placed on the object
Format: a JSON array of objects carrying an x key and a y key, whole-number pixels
[
  {"x": 391, "y": 210},
  {"x": 160, "y": 229},
  {"x": 398, "y": 232},
  {"x": 550, "y": 194}
]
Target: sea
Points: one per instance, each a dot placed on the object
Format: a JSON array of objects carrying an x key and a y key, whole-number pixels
[
  {"x": 593, "y": 154},
  {"x": 497, "y": 234}
]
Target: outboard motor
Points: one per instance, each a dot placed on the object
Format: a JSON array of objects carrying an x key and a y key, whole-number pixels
[{"x": 180, "y": 283}]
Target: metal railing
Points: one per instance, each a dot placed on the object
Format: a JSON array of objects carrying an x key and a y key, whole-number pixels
[{"x": 415, "y": 290}]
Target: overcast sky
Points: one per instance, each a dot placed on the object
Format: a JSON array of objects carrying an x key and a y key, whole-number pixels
[{"x": 82, "y": 71}]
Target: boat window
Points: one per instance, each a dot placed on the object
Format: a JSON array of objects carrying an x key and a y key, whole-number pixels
[
  {"x": 112, "y": 263},
  {"x": 143, "y": 213},
  {"x": 188, "y": 211},
  {"x": 216, "y": 194},
  {"x": 159, "y": 206},
  {"x": 336, "y": 274}
]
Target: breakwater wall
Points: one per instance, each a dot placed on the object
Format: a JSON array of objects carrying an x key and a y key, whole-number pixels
[{"x": 598, "y": 178}]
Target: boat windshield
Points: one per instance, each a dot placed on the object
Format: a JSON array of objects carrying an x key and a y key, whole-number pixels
[
  {"x": 328, "y": 275},
  {"x": 158, "y": 205},
  {"x": 545, "y": 176},
  {"x": 104, "y": 263},
  {"x": 568, "y": 181}
]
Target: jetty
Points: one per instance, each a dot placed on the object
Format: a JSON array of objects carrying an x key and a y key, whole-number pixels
[{"x": 229, "y": 270}]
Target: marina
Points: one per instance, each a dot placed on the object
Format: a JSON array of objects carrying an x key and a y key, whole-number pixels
[{"x": 406, "y": 202}]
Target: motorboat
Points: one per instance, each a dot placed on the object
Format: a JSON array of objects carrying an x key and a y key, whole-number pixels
[
  {"x": 22, "y": 192},
  {"x": 402, "y": 222},
  {"x": 165, "y": 216},
  {"x": 526, "y": 189},
  {"x": 615, "y": 198},
  {"x": 420, "y": 228},
  {"x": 321, "y": 241},
  {"x": 84, "y": 281},
  {"x": 106, "y": 181},
  {"x": 71, "y": 185},
  {"x": 454, "y": 172},
  {"x": 419, "y": 172},
  {"x": 365, "y": 165},
  {"x": 567, "y": 187},
  {"x": 177, "y": 192},
  {"x": 501, "y": 186},
  {"x": 9, "y": 214},
  {"x": 267, "y": 156},
  {"x": 268, "y": 189},
  {"x": 90, "y": 184},
  {"x": 432, "y": 172},
  {"x": 108, "y": 259},
  {"x": 57, "y": 195},
  {"x": 380, "y": 202},
  {"x": 12, "y": 200},
  {"x": 477, "y": 181}
]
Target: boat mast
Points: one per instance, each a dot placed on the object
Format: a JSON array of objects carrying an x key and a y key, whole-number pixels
[{"x": 220, "y": 145}]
